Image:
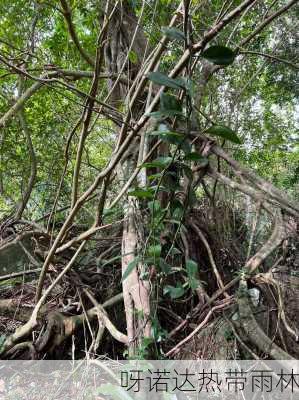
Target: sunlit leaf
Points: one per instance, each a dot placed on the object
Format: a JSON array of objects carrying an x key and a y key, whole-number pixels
[
  {"x": 133, "y": 57},
  {"x": 155, "y": 250},
  {"x": 141, "y": 193}
]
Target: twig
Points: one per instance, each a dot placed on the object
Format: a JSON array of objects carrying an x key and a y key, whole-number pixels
[
  {"x": 271, "y": 57},
  {"x": 194, "y": 332},
  {"x": 211, "y": 258}
]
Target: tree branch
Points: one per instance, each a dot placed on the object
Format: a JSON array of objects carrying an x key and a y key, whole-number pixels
[{"x": 68, "y": 18}]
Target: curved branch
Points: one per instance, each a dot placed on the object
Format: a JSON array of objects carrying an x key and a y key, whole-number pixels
[
  {"x": 103, "y": 316},
  {"x": 19, "y": 103},
  {"x": 275, "y": 58},
  {"x": 68, "y": 18},
  {"x": 85, "y": 235}
]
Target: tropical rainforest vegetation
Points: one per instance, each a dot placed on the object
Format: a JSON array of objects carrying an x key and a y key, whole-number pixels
[{"x": 149, "y": 172}]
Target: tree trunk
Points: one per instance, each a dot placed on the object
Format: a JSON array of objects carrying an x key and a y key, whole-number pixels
[{"x": 124, "y": 53}]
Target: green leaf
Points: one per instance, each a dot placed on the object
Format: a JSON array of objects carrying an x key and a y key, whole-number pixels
[
  {"x": 160, "y": 162},
  {"x": 192, "y": 271},
  {"x": 130, "y": 268},
  {"x": 133, "y": 57},
  {"x": 176, "y": 205},
  {"x": 163, "y": 80},
  {"x": 173, "y": 33},
  {"x": 155, "y": 250},
  {"x": 154, "y": 206},
  {"x": 170, "y": 106},
  {"x": 141, "y": 193},
  {"x": 220, "y": 55},
  {"x": 164, "y": 266},
  {"x": 169, "y": 136},
  {"x": 196, "y": 157},
  {"x": 178, "y": 214},
  {"x": 194, "y": 283},
  {"x": 192, "y": 268},
  {"x": 168, "y": 102},
  {"x": 225, "y": 133},
  {"x": 155, "y": 176},
  {"x": 174, "y": 291}
]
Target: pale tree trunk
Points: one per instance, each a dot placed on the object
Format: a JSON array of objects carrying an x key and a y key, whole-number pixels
[{"x": 126, "y": 37}]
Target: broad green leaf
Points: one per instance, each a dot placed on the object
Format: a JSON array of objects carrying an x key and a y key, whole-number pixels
[
  {"x": 219, "y": 55},
  {"x": 155, "y": 250},
  {"x": 163, "y": 80},
  {"x": 173, "y": 33},
  {"x": 169, "y": 136},
  {"x": 154, "y": 206},
  {"x": 155, "y": 176},
  {"x": 133, "y": 57},
  {"x": 130, "y": 268},
  {"x": 192, "y": 271},
  {"x": 160, "y": 162},
  {"x": 141, "y": 193},
  {"x": 174, "y": 291},
  {"x": 177, "y": 213},
  {"x": 193, "y": 283},
  {"x": 169, "y": 103},
  {"x": 224, "y": 132},
  {"x": 195, "y": 157},
  {"x": 192, "y": 267}
]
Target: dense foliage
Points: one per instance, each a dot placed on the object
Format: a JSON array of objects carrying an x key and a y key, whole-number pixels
[{"x": 123, "y": 136}]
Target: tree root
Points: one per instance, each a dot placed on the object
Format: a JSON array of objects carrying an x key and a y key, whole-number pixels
[
  {"x": 60, "y": 327},
  {"x": 252, "y": 329},
  {"x": 21, "y": 347},
  {"x": 12, "y": 308}
]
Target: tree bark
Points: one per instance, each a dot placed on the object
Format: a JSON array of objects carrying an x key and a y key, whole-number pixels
[{"x": 124, "y": 54}]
